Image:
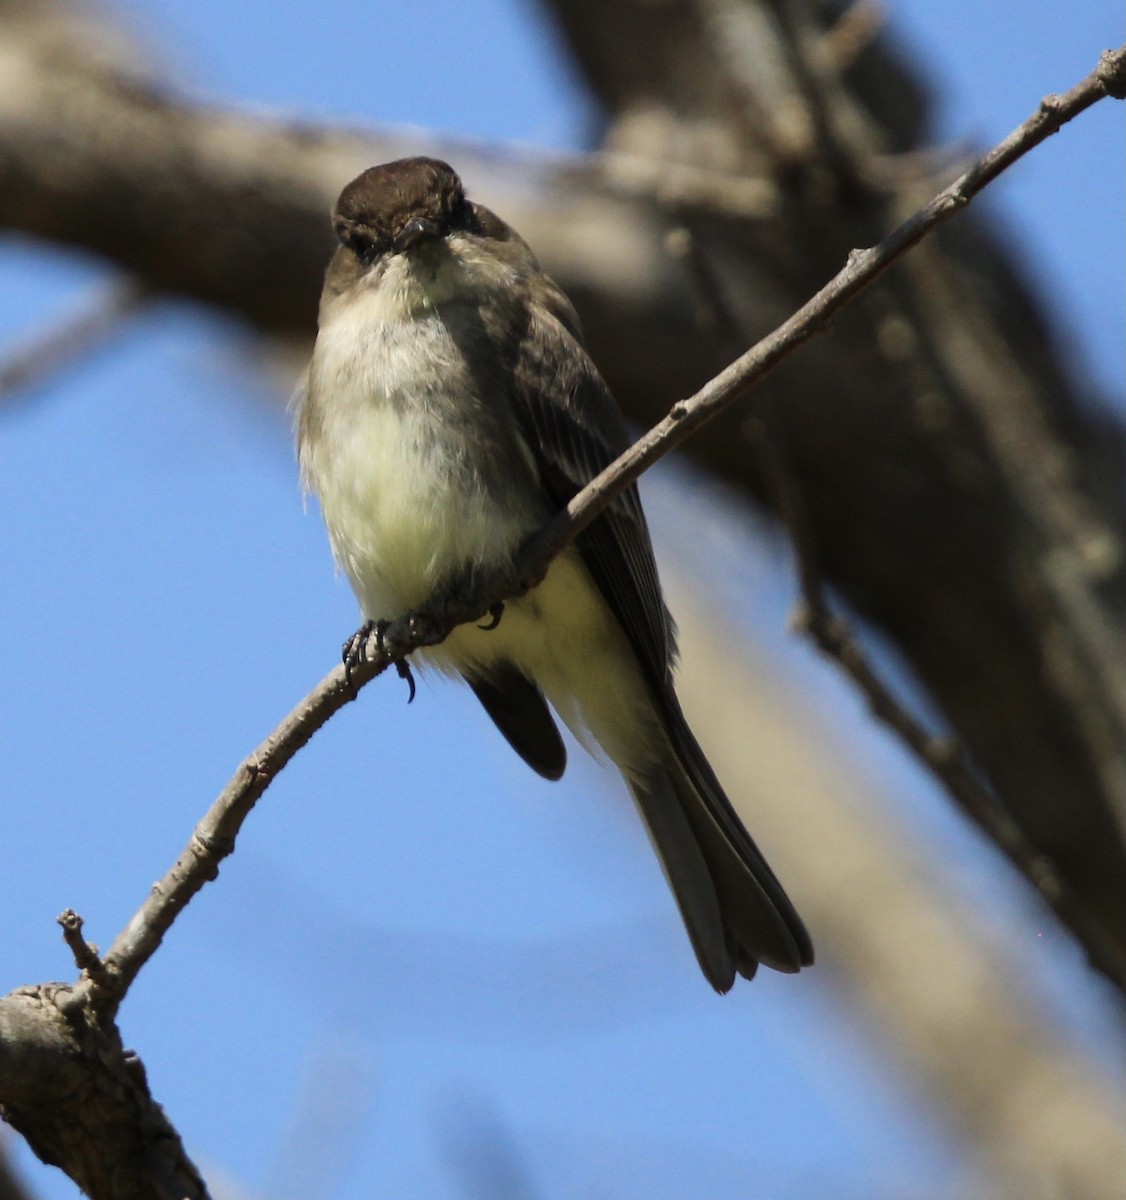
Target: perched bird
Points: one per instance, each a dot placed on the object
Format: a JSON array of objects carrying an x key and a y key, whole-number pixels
[{"x": 450, "y": 410}]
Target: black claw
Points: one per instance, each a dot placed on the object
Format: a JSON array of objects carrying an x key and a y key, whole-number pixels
[
  {"x": 353, "y": 651},
  {"x": 350, "y": 651},
  {"x": 495, "y": 614},
  {"x": 404, "y": 669}
]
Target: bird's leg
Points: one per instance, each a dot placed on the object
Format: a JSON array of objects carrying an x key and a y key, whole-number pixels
[
  {"x": 464, "y": 588},
  {"x": 354, "y": 651}
]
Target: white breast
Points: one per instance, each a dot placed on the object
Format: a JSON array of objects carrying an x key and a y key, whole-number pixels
[{"x": 404, "y": 505}]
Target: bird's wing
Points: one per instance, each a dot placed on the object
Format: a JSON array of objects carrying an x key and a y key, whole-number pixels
[
  {"x": 520, "y": 712},
  {"x": 574, "y": 429}
]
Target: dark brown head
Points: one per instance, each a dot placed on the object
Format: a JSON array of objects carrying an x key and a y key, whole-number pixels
[
  {"x": 401, "y": 204},
  {"x": 411, "y": 218}
]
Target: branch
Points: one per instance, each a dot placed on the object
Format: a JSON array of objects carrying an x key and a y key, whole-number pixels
[
  {"x": 82, "y": 1100},
  {"x": 214, "y": 838},
  {"x": 86, "y": 957}
]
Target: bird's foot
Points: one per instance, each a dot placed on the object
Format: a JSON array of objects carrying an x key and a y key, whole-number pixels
[{"x": 354, "y": 650}]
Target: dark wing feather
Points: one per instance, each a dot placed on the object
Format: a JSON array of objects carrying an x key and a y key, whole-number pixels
[
  {"x": 755, "y": 905},
  {"x": 520, "y": 712},
  {"x": 573, "y": 427}
]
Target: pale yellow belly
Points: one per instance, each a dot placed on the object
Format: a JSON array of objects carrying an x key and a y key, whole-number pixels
[{"x": 404, "y": 518}]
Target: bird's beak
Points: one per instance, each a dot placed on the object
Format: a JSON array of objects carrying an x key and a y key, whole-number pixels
[{"x": 415, "y": 232}]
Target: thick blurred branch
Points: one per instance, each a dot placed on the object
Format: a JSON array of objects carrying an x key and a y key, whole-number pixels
[{"x": 959, "y": 492}]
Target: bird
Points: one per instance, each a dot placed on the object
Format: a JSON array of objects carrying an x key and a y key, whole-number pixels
[{"x": 449, "y": 410}]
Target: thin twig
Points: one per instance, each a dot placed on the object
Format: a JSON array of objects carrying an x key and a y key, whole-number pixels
[
  {"x": 214, "y": 837},
  {"x": 86, "y": 957}
]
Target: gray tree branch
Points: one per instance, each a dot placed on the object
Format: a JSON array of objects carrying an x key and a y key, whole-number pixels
[{"x": 69, "y": 1086}]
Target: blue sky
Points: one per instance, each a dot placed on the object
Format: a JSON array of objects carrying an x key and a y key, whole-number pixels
[{"x": 390, "y": 965}]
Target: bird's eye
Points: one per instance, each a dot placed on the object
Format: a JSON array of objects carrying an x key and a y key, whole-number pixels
[
  {"x": 463, "y": 216},
  {"x": 372, "y": 248},
  {"x": 361, "y": 240}
]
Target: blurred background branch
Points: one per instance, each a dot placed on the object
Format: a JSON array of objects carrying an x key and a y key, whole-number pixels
[{"x": 68, "y": 340}]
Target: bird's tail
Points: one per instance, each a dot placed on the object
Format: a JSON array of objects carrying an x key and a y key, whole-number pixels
[{"x": 734, "y": 909}]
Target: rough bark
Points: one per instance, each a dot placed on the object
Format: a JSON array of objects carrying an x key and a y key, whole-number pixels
[{"x": 81, "y": 1100}]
